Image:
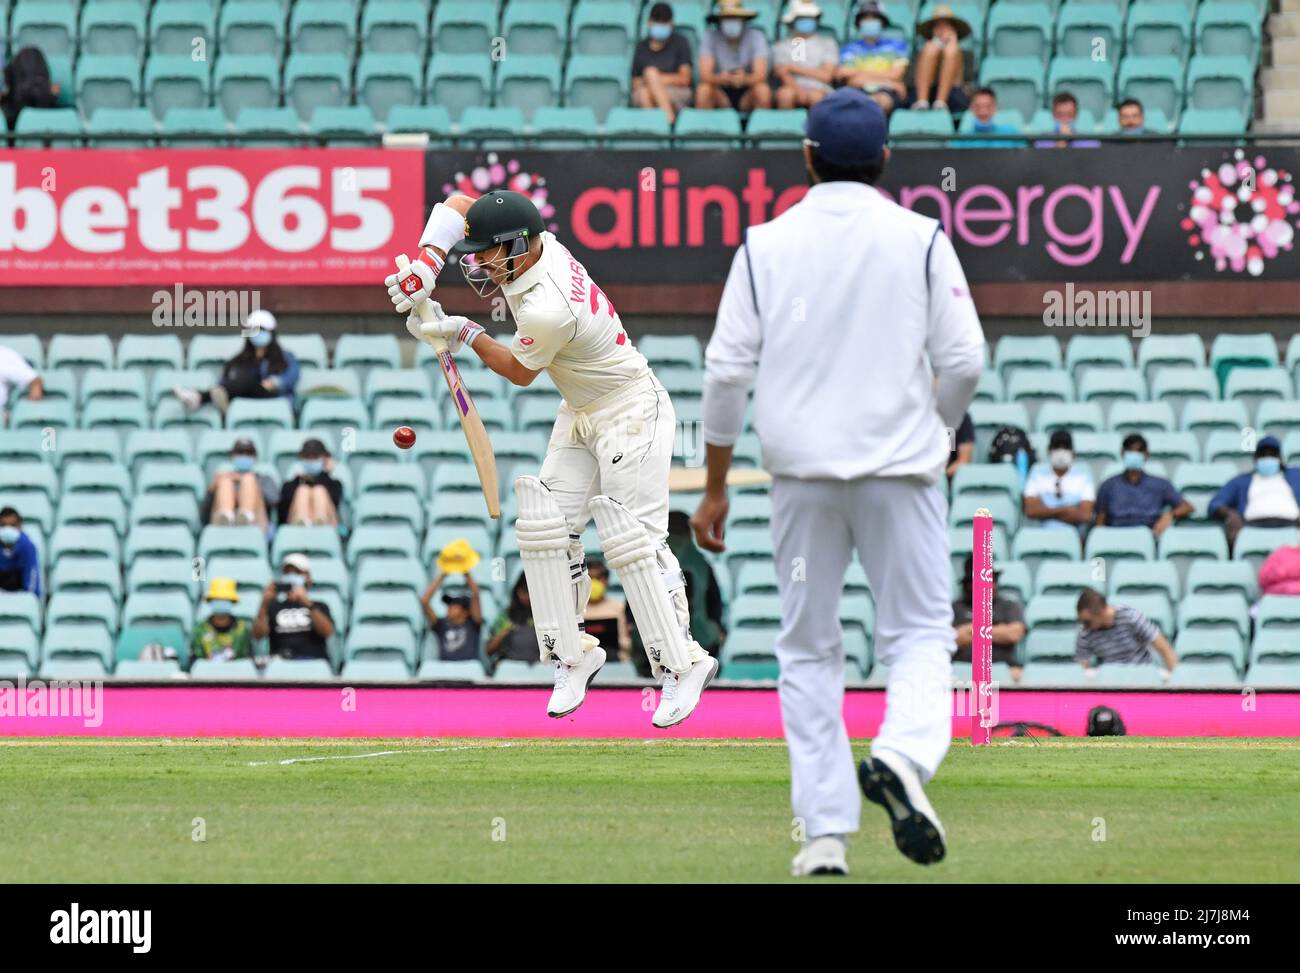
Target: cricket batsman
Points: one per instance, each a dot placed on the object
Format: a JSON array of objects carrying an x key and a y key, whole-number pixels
[
  {"x": 609, "y": 452},
  {"x": 851, "y": 319}
]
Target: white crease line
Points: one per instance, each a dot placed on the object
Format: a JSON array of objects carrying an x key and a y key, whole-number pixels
[{"x": 361, "y": 756}]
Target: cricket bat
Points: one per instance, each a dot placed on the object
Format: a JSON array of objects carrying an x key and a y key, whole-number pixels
[
  {"x": 480, "y": 447},
  {"x": 691, "y": 479}
]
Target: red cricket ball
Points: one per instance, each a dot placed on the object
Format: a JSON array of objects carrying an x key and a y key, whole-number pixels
[{"x": 404, "y": 437}]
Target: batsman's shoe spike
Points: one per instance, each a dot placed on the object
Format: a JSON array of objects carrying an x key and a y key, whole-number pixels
[{"x": 894, "y": 785}]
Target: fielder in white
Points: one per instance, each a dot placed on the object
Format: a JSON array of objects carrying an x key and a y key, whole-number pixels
[
  {"x": 851, "y": 319},
  {"x": 609, "y": 452}
]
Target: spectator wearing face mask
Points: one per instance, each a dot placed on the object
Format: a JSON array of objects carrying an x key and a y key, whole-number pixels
[
  {"x": 1268, "y": 496},
  {"x": 1134, "y": 498},
  {"x": 1132, "y": 119},
  {"x": 983, "y": 111},
  {"x": 221, "y": 636},
  {"x": 261, "y": 370},
  {"x": 239, "y": 495},
  {"x": 296, "y": 626},
  {"x": 873, "y": 62},
  {"x": 1062, "y": 495},
  {"x": 1008, "y": 623},
  {"x": 939, "y": 65},
  {"x": 605, "y": 619},
  {"x": 805, "y": 61},
  {"x": 734, "y": 58},
  {"x": 313, "y": 496},
  {"x": 661, "y": 66},
  {"x": 20, "y": 564}
]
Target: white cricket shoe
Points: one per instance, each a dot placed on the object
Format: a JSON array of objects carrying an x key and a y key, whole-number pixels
[
  {"x": 821, "y": 856},
  {"x": 571, "y": 682},
  {"x": 189, "y": 398},
  {"x": 681, "y": 693},
  {"x": 890, "y": 780}
]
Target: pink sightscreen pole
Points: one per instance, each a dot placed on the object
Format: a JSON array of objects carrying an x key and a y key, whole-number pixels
[{"x": 981, "y": 717}]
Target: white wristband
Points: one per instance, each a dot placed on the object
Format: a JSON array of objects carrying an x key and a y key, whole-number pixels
[{"x": 445, "y": 228}]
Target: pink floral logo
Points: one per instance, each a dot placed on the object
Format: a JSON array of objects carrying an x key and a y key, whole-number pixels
[
  {"x": 1242, "y": 214},
  {"x": 495, "y": 174}
]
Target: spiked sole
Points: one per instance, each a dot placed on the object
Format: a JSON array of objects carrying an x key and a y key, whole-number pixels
[{"x": 915, "y": 835}]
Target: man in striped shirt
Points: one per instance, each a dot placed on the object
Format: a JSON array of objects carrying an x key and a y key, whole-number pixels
[{"x": 1117, "y": 634}]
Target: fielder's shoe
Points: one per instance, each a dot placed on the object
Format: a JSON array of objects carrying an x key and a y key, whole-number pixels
[
  {"x": 821, "y": 856},
  {"x": 681, "y": 693},
  {"x": 891, "y": 782},
  {"x": 571, "y": 682},
  {"x": 189, "y": 398}
]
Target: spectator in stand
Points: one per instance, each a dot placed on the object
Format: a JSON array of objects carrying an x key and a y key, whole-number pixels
[
  {"x": 1117, "y": 634},
  {"x": 1132, "y": 119},
  {"x": 1280, "y": 572},
  {"x": 16, "y": 372},
  {"x": 459, "y": 631},
  {"x": 939, "y": 62},
  {"x": 221, "y": 636},
  {"x": 606, "y": 619},
  {"x": 983, "y": 109},
  {"x": 1065, "y": 121},
  {"x": 734, "y": 59},
  {"x": 238, "y": 494},
  {"x": 27, "y": 84},
  {"x": 312, "y": 498},
  {"x": 702, "y": 593},
  {"x": 1268, "y": 496},
  {"x": 513, "y": 633},
  {"x": 963, "y": 445},
  {"x": 1063, "y": 495},
  {"x": 20, "y": 563},
  {"x": 1008, "y": 623},
  {"x": 261, "y": 370},
  {"x": 296, "y": 626},
  {"x": 805, "y": 61},
  {"x": 873, "y": 62},
  {"x": 661, "y": 66},
  {"x": 1134, "y": 498}
]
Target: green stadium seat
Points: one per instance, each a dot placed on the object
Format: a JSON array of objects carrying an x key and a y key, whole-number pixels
[
  {"x": 775, "y": 128},
  {"x": 99, "y": 541},
  {"x": 98, "y": 478},
  {"x": 386, "y": 80},
  {"x": 176, "y": 81},
  {"x": 1206, "y": 576},
  {"x": 103, "y": 446},
  {"x": 701, "y": 128},
  {"x": 463, "y": 670},
  {"x": 1129, "y": 578},
  {"x": 27, "y": 345},
  {"x": 232, "y": 542},
  {"x": 139, "y": 351},
  {"x": 380, "y": 543},
  {"x": 1115, "y": 543},
  {"x": 144, "y": 541},
  {"x": 86, "y": 612},
  {"x": 344, "y": 125},
  {"x": 1158, "y": 29},
  {"x": 528, "y": 82},
  {"x": 35, "y": 475},
  {"x": 497, "y": 122},
  {"x": 323, "y": 27},
  {"x": 88, "y": 509},
  {"x": 1200, "y": 672},
  {"x": 603, "y": 29},
  {"x": 1255, "y": 544},
  {"x": 251, "y": 27},
  {"x": 376, "y": 511},
  {"x": 112, "y": 383},
  {"x": 1034, "y": 545},
  {"x": 312, "y": 81},
  {"x": 1087, "y": 30},
  {"x": 598, "y": 83},
  {"x": 1227, "y": 446},
  {"x": 1088, "y": 352},
  {"x": 259, "y": 414},
  {"x": 170, "y": 477},
  {"x": 367, "y": 669},
  {"x": 182, "y": 27},
  {"x": 20, "y": 446},
  {"x": 459, "y": 81},
  {"x": 147, "y": 670},
  {"x": 1204, "y": 417},
  {"x": 623, "y": 121},
  {"x": 550, "y": 123},
  {"x": 113, "y": 27},
  {"x": 1281, "y": 674},
  {"x": 21, "y": 609},
  {"x": 181, "y": 125},
  {"x": 1157, "y": 82},
  {"x": 330, "y": 382},
  {"x": 51, "y": 27},
  {"x": 400, "y": 608},
  {"x": 72, "y": 668},
  {"x": 225, "y": 670},
  {"x": 1178, "y": 385},
  {"x": 1215, "y": 613},
  {"x": 1161, "y": 351},
  {"x": 1091, "y": 82},
  {"x": 367, "y": 351},
  {"x": 431, "y": 120},
  {"x": 533, "y": 28},
  {"x": 1228, "y": 29},
  {"x": 1275, "y": 645},
  {"x": 296, "y": 670},
  {"x": 1066, "y": 578},
  {"x": 46, "y": 412},
  {"x": 1019, "y": 30},
  {"x": 1114, "y": 389},
  {"x": 1018, "y": 82},
  {"x": 120, "y": 414},
  {"x": 1023, "y": 352},
  {"x": 1212, "y": 121},
  {"x": 1232, "y": 351},
  {"x": 1278, "y": 418},
  {"x": 318, "y": 543},
  {"x": 1075, "y": 416},
  {"x": 391, "y": 27},
  {"x": 81, "y": 575},
  {"x": 1221, "y": 83},
  {"x": 213, "y": 351},
  {"x": 399, "y": 482},
  {"x": 1291, "y": 448},
  {"x": 464, "y": 27},
  {"x": 457, "y": 477},
  {"x": 19, "y": 652},
  {"x": 990, "y": 387},
  {"x": 242, "y": 81},
  {"x": 167, "y": 510},
  {"x": 906, "y": 122},
  {"x": 424, "y": 418},
  {"x": 1254, "y": 386},
  {"x": 60, "y": 127},
  {"x": 390, "y": 576},
  {"x": 1279, "y": 613},
  {"x": 107, "y": 81},
  {"x": 1198, "y": 482}
]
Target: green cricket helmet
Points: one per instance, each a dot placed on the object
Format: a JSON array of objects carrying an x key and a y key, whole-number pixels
[{"x": 498, "y": 217}]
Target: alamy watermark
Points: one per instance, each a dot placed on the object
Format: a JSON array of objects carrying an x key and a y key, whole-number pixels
[
  {"x": 77, "y": 698},
  {"x": 185, "y": 307},
  {"x": 1084, "y": 308}
]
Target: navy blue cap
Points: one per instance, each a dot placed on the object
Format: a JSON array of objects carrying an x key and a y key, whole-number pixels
[
  {"x": 1268, "y": 442},
  {"x": 847, "y": 128}
]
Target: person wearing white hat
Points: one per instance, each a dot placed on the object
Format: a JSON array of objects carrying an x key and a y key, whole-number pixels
[
  {"x": 804, "y": 63},
  {"x": 262, "y": 369},
  {"x": 296, "y": 626}
]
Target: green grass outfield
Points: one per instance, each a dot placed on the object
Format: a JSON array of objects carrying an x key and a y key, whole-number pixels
[{"x": 627, "y": 811}]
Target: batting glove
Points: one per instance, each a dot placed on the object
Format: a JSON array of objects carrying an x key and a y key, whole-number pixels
[
  {"x": 407, "y": 290},
  {"x": 454, "y": 329}
]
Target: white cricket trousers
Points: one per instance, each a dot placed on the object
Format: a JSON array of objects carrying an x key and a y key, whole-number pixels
[{"x": 899, "y": 528}]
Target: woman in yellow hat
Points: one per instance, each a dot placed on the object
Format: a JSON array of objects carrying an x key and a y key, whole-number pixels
[
  {"x": 460, "y": 630},
  {"x": 221, "y": 635}
]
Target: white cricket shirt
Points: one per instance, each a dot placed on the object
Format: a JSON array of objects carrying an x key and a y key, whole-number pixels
[
  {"x": 14, "y": 372},
  {"x": 567, "y": 325},
  {"x": 841, "y": 312}
]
